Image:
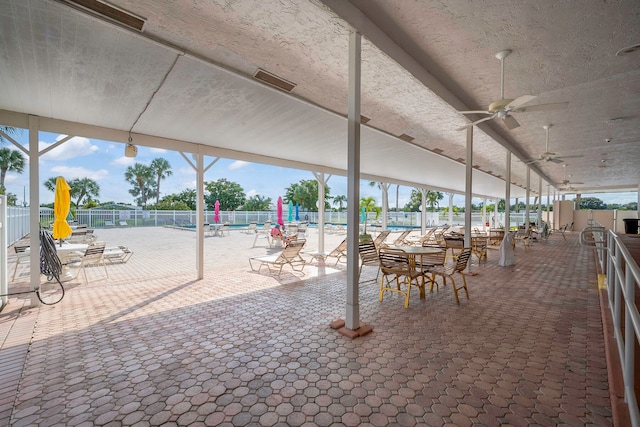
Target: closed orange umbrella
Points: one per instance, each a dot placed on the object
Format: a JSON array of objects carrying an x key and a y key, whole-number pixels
[{"x": 61, "y": 206}]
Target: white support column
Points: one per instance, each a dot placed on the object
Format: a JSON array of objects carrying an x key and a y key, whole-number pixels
[
  {"x": 352, "y": 319},
  {"x": 484, "y": 213},
  {"x": 423, "y": 212},
  {"x": 638, "y": 207},
  {"x": 548, "y": 205},
  {"x": 199, "y": 159},
  {"x": 200, "y": 170},
  {"x": 450, "y": 209},
  {"x": 4, "y": 287},
  {"x": 385, "y": 203},
  {"x": 539, "y": 222},
  {"x": 34, "y": 207},
  {"x": 526, "y": 205},
  {"x": 468, "y": 187},
  {"x": 507, "y": 195},
  {"x": 322, "y": 184}
]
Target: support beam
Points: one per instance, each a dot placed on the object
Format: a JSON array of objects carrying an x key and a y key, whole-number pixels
[
  {"x": 385, "y": 203},
  {"x": 352, "y": 320},
  {"x": 423, "y": 212},
  {"x": 199, "y": 159},
  {"x": 468, "y": 186},
  {"x": 34, "y": 207},
  {"x": 322, "y": 184},
  {"x": 507, "y": 195},
  {"x": 526, "y": 205}
]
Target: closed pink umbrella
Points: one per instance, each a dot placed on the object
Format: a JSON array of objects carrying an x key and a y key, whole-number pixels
[
  {"x": 216, "y": 211},
  {"x": 280, "y": 221}
]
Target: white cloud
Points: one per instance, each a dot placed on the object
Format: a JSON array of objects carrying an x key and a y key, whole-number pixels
[
  {"x": 238, "y": 164},
  {"x": 252, "y": 193},
  {"x": 80, "y": 172},
  {"x": 123, "y": 161},
  {"x": 157, "y": 150},
  {"x": 77, "y": 146}
]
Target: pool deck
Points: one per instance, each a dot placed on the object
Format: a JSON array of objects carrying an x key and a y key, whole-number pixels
[{"x": 152, "y": 346}]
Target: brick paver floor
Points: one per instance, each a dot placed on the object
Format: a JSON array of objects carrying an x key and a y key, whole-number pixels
[{"x": 151, "y": 346}]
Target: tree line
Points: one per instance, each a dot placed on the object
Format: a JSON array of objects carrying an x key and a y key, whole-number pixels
[{"x": 145, "y": 181}]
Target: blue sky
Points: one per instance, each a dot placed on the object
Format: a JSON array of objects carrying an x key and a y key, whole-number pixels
[{"x": 105, "y": 163}]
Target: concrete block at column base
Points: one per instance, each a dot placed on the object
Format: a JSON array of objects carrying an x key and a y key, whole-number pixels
[{"x": 339, "y": 325}]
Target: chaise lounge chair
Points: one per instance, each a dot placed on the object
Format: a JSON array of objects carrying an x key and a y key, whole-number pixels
[{"x": 290, "y": 255}]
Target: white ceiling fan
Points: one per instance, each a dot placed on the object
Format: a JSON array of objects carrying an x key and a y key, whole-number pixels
[
  {"x": 503, "y": 108},
  {"x": 565, "y": 182},
  {"x": 548, "y": 156}
]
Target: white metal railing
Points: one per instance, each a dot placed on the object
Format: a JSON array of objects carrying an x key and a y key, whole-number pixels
[
  {"x": 623, "y": 279},
  {"x": 594, "y": 235}
]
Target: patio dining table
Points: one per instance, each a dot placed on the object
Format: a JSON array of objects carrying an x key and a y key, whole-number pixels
[{"x": 64, "y": 252}]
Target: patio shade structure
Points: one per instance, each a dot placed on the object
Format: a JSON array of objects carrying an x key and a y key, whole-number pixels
[
  {"x": 216, "y": 211},
  {"x": 61, "y": 206},
  {"x": 290, "y": 211},
  {"x": 279, "y": 208},
  {"x": 297, "y": 212}
]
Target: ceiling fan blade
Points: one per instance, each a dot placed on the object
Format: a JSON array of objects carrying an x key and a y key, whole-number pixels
[
  {"x": 543, "y": 107},
  {"x": 510, "y": 122},
  {"x": 475, "y": 112},
  {"x": 528, "y": 162},
  {"x": 521, "y": 100},
  {"x": 555, "y": 160},
  {"x": 577, "y": 156},
  {"x": 476, "y": 122}
]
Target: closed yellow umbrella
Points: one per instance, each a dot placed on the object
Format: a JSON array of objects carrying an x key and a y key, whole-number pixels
[{"x": 61, "y": 206}]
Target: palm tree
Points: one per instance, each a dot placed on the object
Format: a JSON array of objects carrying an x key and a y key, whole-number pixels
[
  {"x": 140, "y": 176},
  {"x": 81, "y": 187},
  {"x": 9, "y": 131},
  {"x": 340, "y": 200},
  {"x": 162, "y": 169},
  {"x": 432, "y": 198},
  {"x": 10, "y": 160}
]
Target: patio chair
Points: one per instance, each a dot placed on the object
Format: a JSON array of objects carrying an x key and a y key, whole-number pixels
[
  {"x": 263, "y": 233},
  {"x": 290, "y": 255},
  {"x": 22, "y": 255},
  {"x": 455, "y": 244},
  {"x": 428, "y": 236},
  {"x": 402, "y": 239},
  {"x": 369, "y": 256},
  {"x": 449, "y": 270},
  {"x": 117, "y": 254},
  {"x": 479, "y": 247},
  {"x": 522, "y": 236},
  {"x": 108, "y": 223},
  {"x": 224, "y": 229},
  {"x": 93, "y": 256},
  {"x": 123, "y": 223},
  {"x": 252, "y": 228},
  {"x": 339, "y": 252},
  {"x": 395, "y": 267},
  {"x": 380, "y": 238}
]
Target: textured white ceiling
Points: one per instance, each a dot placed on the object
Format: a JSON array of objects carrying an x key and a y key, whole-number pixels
[{"x": 188, "y": 78}]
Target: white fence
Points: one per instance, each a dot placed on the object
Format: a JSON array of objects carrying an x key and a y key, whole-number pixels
[{"x": 18, "y": 218}]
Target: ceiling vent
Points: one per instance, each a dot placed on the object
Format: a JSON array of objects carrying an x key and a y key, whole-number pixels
[
  {"x": 274, "y": 80},
  {"x": 364, "y": 120},
  {"x": 406, "y": 137},
  {"x": 110, "y": 12}
]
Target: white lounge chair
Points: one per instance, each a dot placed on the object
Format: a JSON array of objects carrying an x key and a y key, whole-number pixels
[
  {"x": 290, "y": 255},
  {"x": 93, "y": 256}
]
